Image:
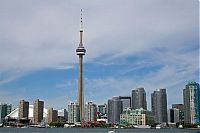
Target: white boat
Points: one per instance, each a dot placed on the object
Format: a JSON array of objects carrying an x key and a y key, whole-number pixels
[
  {"x": 111, "y": 131},
  {"x": 158, "y": 127},
  {"x": 142, "y": 126},
  {"x": 25, "y": 127}
]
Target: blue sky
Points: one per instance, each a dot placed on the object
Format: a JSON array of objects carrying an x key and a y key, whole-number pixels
[{"x": 130, "y": 43}]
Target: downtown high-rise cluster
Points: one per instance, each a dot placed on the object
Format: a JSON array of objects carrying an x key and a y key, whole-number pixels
[
  {"x": 123, "y": 110},
  {"x": 136, "y": 113}
]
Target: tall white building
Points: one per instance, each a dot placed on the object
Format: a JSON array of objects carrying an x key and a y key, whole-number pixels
[
  {"x": 90, "y": 112},
  {"x": 73, "y": 113}
]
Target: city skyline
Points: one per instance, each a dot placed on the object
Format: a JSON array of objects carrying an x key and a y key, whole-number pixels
[{"x": 129, "y": 44}]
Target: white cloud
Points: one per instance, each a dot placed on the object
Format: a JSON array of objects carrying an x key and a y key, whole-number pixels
[{"x": 45, "y": 34}]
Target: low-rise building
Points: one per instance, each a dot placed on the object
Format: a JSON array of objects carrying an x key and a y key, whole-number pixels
[{"x": 136, "y": 117}]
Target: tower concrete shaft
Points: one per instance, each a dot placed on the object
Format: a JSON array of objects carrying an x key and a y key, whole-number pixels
[{"x": 80, "y": 51}]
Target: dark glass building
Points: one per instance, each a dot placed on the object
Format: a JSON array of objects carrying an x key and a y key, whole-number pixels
[
  {"x": 115, "y": 108},
  {"x": 126, "y": 101},
  {"x": 139, "y": 99},
  {"x": 159, "y": 105},
  {"x": 5, "y": 109}
]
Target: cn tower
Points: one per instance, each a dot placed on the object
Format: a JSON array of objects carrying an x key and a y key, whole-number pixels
[{"x": 80, "y": 51}]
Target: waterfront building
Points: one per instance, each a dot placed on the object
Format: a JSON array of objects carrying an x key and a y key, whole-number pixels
[
  {"x": 38, "y": 109},
  {"x": 73, "y": 113},
  {"x": 102, "y": 108},
  {"x": 23, "y": 109},
  {"x": 102, "y": 112},
  {"x": 9, "y": 108},
  {"x": 139, "y": 99},
  {"x": 159, "y": 105},
  {"x": 90, "y": 112},
  {"x": 52, "y": 115},
  {"x": 191, "y": 98},
  {"x": 15, "y": 114},
  {"x": 173, "y": 115},
  {"x": 126, "y": 101},
  {"x": 115, "y": 108},
  {"x": 62, "y": 115},
  {"x": 80, "y": 51},
  {"x": 180, "y": 107},
  {"x": 136, "y": 117},
  {"x": 5, "y": 109}
]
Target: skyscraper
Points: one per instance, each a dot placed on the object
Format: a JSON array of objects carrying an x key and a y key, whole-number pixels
[
  {"x": 73, "y": 113},
  {"x": 139, "y": 99},
  {"x": 52, "y": 115},
  {"x": 115, "y": 108},
  {"x": 191, "y": 99},
  {"x": 80, "y": 51},
  {"x": 23, "y": 109},
  {"x": 159, "y": 105},
  {"x": 38, "y": 109},
  {"x": 90, "y": 112},
  {"x": 126, "y": 101}
]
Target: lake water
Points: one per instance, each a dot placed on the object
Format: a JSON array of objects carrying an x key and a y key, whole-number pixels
[{"x": 94, "y": 130}]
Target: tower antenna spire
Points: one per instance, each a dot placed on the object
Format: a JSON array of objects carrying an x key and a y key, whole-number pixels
[{"x": 81, "y": 21}]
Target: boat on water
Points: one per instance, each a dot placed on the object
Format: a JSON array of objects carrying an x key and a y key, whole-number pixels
[
  {"x": 1, "y": 124},
  {"x": 25, "y": 127},
  {"x": 142, "y": 126},
  {"x": 111, "y": 131},
  {"x": 158, "y": 127}
]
